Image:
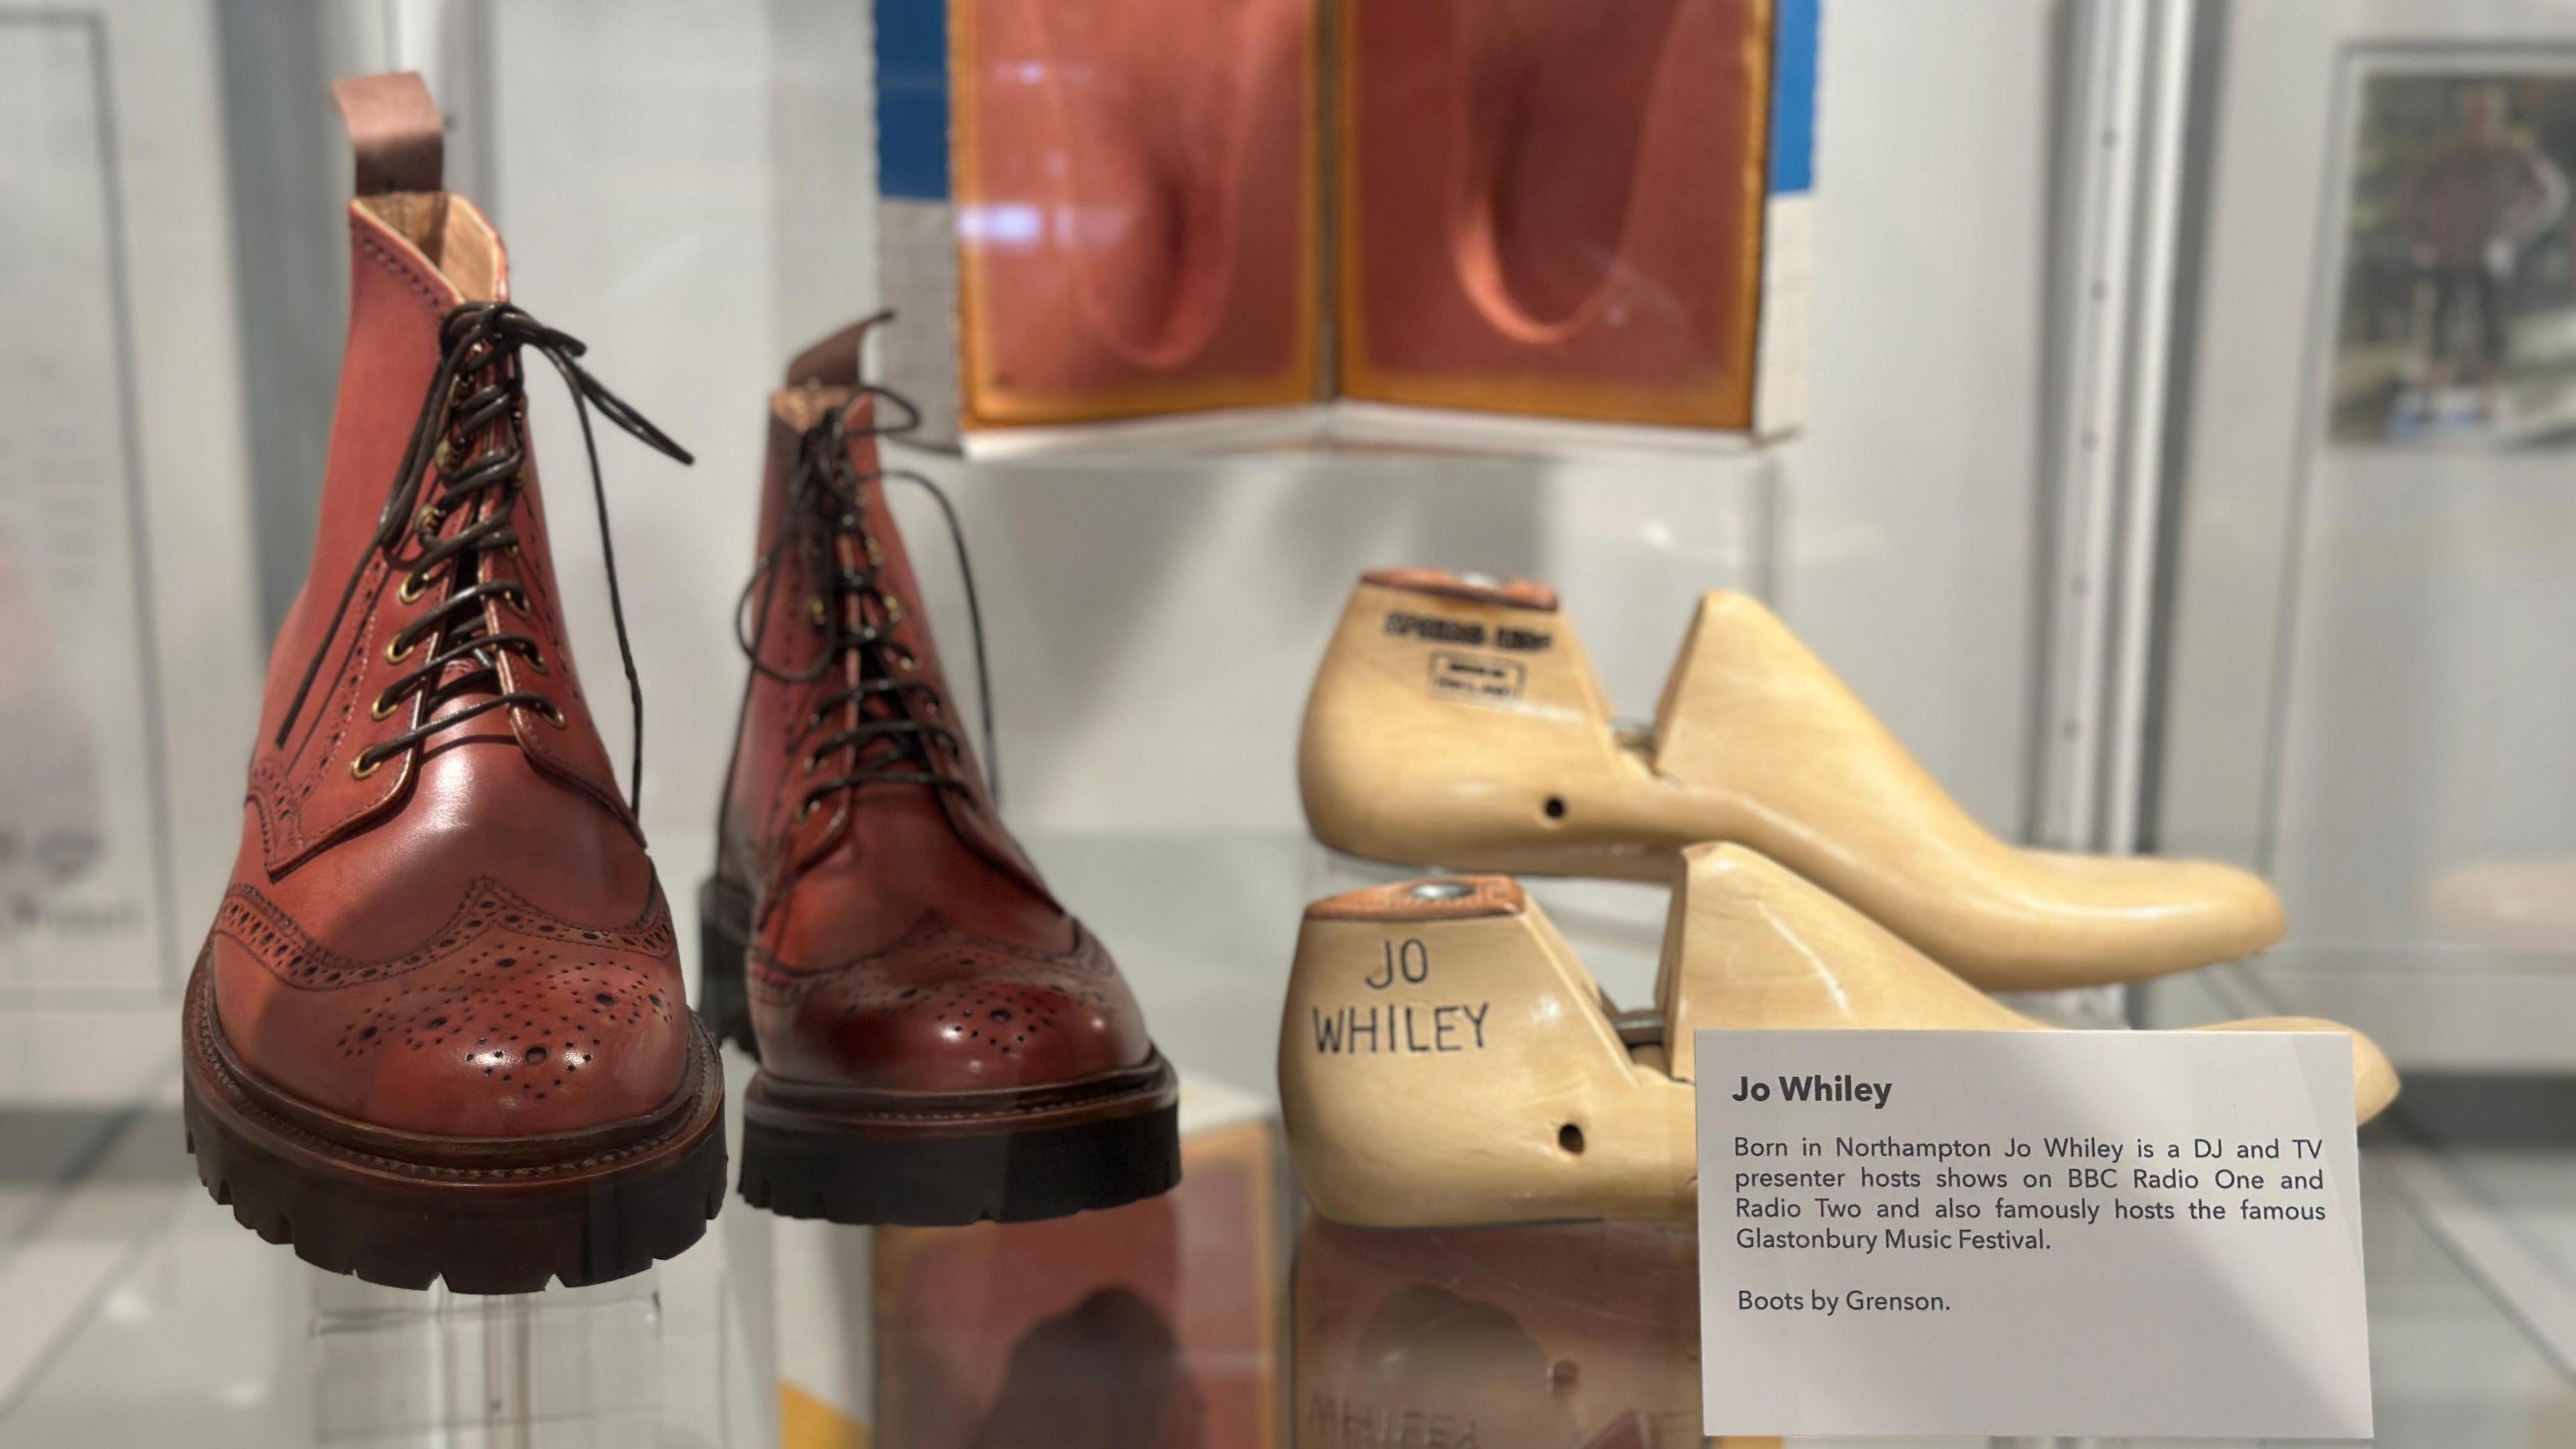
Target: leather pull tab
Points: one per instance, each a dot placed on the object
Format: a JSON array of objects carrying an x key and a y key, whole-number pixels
[
  {"x": 834, "y": 361},
  {"x": 396, "y": 131}
]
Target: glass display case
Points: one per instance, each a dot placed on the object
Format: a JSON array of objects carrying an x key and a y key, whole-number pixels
[{"x": 2145, "y": 411}]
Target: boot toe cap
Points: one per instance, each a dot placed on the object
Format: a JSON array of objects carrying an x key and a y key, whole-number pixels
[
  {"x": 569, "y": 1046},
  {"x": 510, "y": 1025},
  {"x": 947, "y": 1012}
]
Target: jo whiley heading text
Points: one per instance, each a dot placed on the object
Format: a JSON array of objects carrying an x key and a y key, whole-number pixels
[{"x": 1816, "y": 1087}]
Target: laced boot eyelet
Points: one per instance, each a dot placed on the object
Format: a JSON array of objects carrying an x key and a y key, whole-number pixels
[
  {"x": 536, "y": 660},
  {"x": 397, "y": 651},
  {"x": 876, "y": 555},
  {"x": 815, "y": 611},
  {"x": 805, "y": 811},
  {"x": 413, "y": 586},
  {"x": 553, "y": 715},
  {"x": 893, "y": 608},
  {"x": 382, "y": 706},
  {"x": 517, "y": 598},
  {"x": 361, "y": 767},
  {"x": 425, "y": 522},
  {"x": 907, "y": 663}
]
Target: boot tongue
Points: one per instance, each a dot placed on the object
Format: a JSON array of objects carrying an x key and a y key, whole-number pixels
[
  {"x": 1751, "y": 945},
  {"x": 873, "y": 557}
]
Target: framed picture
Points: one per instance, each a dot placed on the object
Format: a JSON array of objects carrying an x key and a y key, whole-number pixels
[{"x": 2454, "y": 322}]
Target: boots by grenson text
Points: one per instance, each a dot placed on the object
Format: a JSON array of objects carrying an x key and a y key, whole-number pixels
[
  {"x": 940, "y": 1042},
  {"x": 437, "y": 1030}
]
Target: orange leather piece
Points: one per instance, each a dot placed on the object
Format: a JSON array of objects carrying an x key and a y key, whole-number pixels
[
  {"x": 1433, "y": 898},
  {"x": 1553, "y": 206},
  {"x": 901, "y": 939},
  {"x": 1472, "y": 588},
  {"x": 395, "y": 132},
  {"x": 1136, "y": 203},
  {"x": 467, "y": 939}
]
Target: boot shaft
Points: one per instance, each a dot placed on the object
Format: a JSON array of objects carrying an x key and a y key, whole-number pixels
[
  {"x": 327, "y": 762},
  {"x": 825, "y": 521}
]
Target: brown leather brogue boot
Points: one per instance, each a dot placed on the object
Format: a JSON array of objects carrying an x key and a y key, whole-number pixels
[
  {"x": 939, "y": 1040},
  {"x": 437, "y": 1030}
]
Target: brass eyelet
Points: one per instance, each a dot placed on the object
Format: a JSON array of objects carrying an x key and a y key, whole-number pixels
[
  {"x": 907, "y": 663},
  {"x": 815, "y": 611},
  {"x": 425, "y": 522},
  {"x": 413, "y": 586},
  {"x": 537, "y": 662},
  {"x": 443, "y": 459},
  {"x": 805, "y": 811},
  {"x": 396, "y": 651},
  {"x": 876, "y": 555},
  {"x": 361, "y": 767},
  {"x": 517, "y": 599},
  {"x": 813, "y": 763},
  {"x": 893, "y": 608},
  {"x": 554, "y": 716},
  {"x": 382, "y": 706}
]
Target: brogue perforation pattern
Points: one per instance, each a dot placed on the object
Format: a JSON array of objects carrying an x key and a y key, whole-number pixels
[
  {"x": 526, "y": 997},
  {"x": 980, "y": 994}
]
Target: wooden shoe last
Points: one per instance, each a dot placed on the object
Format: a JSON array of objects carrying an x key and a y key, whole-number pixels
[
  {"x": 1446, "y": 1060},
  {"x": 1458, "y": 724}
]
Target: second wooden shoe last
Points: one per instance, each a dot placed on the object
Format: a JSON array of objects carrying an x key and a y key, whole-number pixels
[{"x": 1457, "y": 723}]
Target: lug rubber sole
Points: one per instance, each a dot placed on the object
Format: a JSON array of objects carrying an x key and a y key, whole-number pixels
[
  {"x": 487, "y": 1216},
  {"x": 942, "y": 1160}
]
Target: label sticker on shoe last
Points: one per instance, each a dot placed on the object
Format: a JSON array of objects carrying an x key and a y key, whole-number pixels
[
  {"x": 1475, "y": 678},
  {"x": 2093, "y": 1233}
]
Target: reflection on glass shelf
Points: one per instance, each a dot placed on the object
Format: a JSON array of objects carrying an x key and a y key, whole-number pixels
[
  {"x": 1551, "y": 1337},
  {"x": 1577, "y": 1336},
  {"x": 1153, "y": 1324}
]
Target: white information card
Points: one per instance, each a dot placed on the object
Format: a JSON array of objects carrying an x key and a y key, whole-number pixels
[{"x": 2003, "y": 1233}]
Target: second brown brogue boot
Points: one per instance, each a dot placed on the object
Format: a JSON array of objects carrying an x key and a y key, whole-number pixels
[
  {"x": 940, "y": 1041},
  {"x": 437, "y": 1031}
]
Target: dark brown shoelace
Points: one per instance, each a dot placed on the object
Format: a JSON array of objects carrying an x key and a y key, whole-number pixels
[
  {"x": 469, "y": 438},
  {"x": 855, "y": 615}
]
